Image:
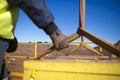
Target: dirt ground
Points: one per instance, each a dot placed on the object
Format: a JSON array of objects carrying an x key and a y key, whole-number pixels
[{"x": 27, "y": 49}]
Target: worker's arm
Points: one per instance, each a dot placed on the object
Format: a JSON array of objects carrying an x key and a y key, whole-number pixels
[
  {"x": 37, "y": 10},
  {"x": 43, "y": 18}
]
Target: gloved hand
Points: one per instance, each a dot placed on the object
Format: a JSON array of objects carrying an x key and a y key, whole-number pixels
[
  {"x": 13, "y": 44},
  {"x": 59, "y": 40}
]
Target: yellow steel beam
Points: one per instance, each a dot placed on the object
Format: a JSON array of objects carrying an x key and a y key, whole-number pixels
[
  {"x": 82, "y": 14},
  {"x": 16, "y": 74},
  {"x": 82, "y": 17},
  {"x": 100, "y": 49},
  {"x": 88, "y": 47},
  {"x": 35, "y": 50},
  {"x": 92, "y": 49},
  {"x": 73, "y": 36},
  {"x": 74, "y": 49},
  {"x": 25, "y": 57},
  {"x": 71, "y": 70},
  {"x": 100, "y": 42},
  {"x": 85, "y": 42}
]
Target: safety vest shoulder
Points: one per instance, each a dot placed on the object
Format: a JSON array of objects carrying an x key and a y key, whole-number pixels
[{"x": 8, "y": 19}]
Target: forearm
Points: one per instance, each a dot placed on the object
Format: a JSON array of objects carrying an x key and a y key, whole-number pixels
[{"x": 36, "y": 10}]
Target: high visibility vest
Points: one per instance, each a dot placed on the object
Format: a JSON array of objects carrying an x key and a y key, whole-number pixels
[{"x": 8, "y": 19}]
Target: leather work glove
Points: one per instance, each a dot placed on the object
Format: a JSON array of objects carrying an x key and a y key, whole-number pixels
[{"x": 59, "y": 40}]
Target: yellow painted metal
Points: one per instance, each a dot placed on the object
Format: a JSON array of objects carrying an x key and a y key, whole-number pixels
[
  {"x": 82, "y": 17},
  {"x": 24, "y": 57},
  {"x": 92, "y": 49},
  {"x": 16, "y": 74},
  {"x": 100, "y": 42},
  {"x": 85, "y": 45},
  {"x": 85, "y": 42},
  {"x": 72, "y": 50},
  {"x": 82, "y": 14},
  {"x": 35, "y": 50},
  {"x": 100, "y": 50},
  {"x": 71, "y": 70}
]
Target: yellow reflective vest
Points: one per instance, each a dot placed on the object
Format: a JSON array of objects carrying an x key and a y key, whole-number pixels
[{"x": 8, "y": 19}]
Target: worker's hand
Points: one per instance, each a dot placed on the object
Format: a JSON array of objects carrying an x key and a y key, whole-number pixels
[
  {"x": 64, "y": 43},
  {"x": 13, "y": 44},
  {"x": 59, "y": 40}
]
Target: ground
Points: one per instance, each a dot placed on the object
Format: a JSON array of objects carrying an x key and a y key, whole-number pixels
[{"x": 27, "y": 49}]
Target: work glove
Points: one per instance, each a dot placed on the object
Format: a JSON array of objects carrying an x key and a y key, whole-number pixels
[
  {"x": 13, "y": 44},
  {"x": 59, "y": 40}
]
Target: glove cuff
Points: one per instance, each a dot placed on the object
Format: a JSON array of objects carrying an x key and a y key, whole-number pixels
[{"x": 50, "y": 29}]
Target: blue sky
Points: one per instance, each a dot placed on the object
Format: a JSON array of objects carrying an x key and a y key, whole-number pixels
[{"x": 102, "y": 20}]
